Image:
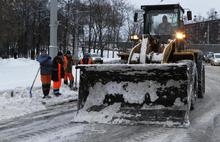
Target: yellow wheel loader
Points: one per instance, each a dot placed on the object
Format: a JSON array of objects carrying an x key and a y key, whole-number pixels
[{"x": 158, "y": 85}]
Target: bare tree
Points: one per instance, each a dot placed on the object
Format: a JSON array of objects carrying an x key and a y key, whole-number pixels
[
  {"x": 8, "y": 27},
  {"x": 212, "y": 14},
  {"x": 24, "y": 24}
]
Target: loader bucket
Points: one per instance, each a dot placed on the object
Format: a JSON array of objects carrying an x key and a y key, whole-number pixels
[{"x": 135, "y": 94}]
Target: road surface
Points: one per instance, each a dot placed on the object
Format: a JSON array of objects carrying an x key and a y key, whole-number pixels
[{"x": 54, "y": 124}]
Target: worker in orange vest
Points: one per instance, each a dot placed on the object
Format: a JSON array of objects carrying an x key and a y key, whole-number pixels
[
  {"x": 57, "y": 73},
  {"x": 45, "y": 71},
  {"x": 86, "y": 59},
  {"x": 68, "y": 63}
]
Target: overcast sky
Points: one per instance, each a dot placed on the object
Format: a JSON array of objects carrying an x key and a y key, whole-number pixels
[{"x": 196, "y": 6}]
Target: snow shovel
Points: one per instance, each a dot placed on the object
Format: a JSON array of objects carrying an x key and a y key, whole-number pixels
[{"x": 30, "y": 92}]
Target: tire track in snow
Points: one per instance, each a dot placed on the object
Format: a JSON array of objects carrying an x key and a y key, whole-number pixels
[{"x": 37, "y": 123}]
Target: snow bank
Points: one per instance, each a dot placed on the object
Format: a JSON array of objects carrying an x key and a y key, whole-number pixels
[
  {"x": 18, "y": 73},
  {"x": 104, "y": 116},
  {"x": 19, "y": 103}
]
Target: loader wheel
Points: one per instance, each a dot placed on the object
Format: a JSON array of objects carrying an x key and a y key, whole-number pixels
[
  {"x": 203, "y": 81},
  {"x": 195, "y": 92},
  {"x": 201, "y": 84},
  {"x": 192, "y": 106},
  {"x": 195, "y": 89}
]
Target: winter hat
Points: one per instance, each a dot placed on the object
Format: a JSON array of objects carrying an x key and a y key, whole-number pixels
[
  {"x": 43, "y": 51},
  {"x": 59, "y": 53},
  {"x": 68, "y": 52}
]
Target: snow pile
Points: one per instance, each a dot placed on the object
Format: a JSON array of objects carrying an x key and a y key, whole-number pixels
[
  {"x": 157, "y": 57},
  {"x": 108, "y": 56},
  {"x": 104, "y": 116},
  {"x": 18, "y": 103},
  {"x": 132, "y": 92},
  {"x": 18, "y": 73},
  {"x": 108, "y": 115},
  {"x": 111, "y": 60},
  {"x": 111, "y": 114}
]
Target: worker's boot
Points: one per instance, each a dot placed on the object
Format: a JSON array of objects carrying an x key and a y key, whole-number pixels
[
  {"x": 57, "y": 92},
  {"x": 65, "y": 82},
  {"x": 46, "y": 97},
  {"x": 71, "y": 84}
]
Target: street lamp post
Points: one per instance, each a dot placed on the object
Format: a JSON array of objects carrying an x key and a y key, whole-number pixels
[
  {"x": 76, "y": 48},
  {"x": 208, "y": 30},
  {"x": 76, "y": 33},
  {"x": 53, "y": 49}
]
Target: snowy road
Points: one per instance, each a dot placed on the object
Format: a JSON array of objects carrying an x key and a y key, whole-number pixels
[{"x": 54, "y": 124}]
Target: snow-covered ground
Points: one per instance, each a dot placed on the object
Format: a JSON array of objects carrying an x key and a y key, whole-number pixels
[
  {"x": 18, "y": 73},
  {"x": 56, "y": 124},
  {"x": 204, "y": 125},
  {"x": 17, "y": 76}
]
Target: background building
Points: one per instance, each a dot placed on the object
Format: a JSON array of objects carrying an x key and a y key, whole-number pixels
[{"x": 207, "y": 32}]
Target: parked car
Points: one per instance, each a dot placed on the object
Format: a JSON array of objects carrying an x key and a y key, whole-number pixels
[
  {"x": 205, "y": 58},
  {"x": 215, "y": 60},
  {"x": 97, "y": 59},
  {"x": 209, "y": 56}
]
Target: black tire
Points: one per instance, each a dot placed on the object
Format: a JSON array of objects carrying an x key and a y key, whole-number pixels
[
  {"x": 195, "y": 91},
  {"x": 201, "y": 78},
  {"x": 192, "y": 106},
  {"x": 203, "y": 74}
]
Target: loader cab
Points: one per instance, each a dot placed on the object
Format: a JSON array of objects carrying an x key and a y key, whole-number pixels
[{"x": 162, "y": 21}]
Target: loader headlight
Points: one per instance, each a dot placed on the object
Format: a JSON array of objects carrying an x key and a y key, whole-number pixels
[
  {"x": 180, "y": 35},
  {"x": 134, "y": 37}
]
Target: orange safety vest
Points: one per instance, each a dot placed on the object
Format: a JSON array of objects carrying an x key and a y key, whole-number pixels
[
  {"x": 65, "y": 62},
  {"x": 57, "y": 84}
]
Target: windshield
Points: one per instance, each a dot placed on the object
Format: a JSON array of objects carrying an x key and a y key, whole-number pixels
[
  {"x": 95, "y": 55},
  {"x": 217, "y": 56},
  {"x": 209, "y": 55},
  {"x": 163, "y": 23}
]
